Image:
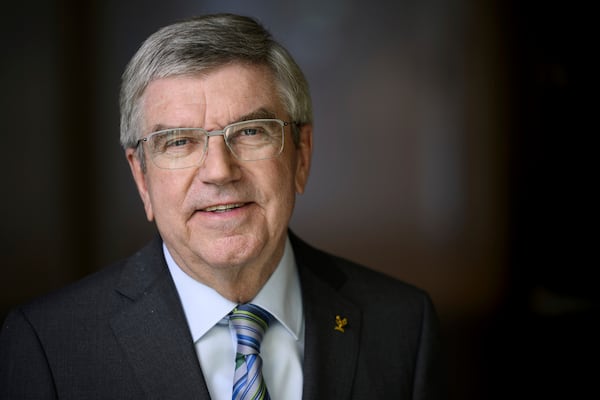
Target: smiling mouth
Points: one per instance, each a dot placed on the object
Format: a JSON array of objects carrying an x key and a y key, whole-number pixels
[{"x": 223, "y": 207}]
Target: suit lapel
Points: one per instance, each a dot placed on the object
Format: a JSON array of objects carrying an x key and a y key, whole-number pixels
[
  {"x": 153, "y": 332},
  {"x": 330, "y": 355}
]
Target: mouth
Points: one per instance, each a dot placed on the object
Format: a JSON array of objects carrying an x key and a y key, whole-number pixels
[{"x": 221, "y": 208}]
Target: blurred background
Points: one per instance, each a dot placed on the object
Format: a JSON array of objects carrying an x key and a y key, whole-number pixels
[{"x": 453, "y": 150}]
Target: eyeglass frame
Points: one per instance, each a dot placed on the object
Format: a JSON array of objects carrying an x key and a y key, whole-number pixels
[{"x": 219, "y": 132}]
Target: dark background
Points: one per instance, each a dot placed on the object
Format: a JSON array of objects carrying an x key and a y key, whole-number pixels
[{"x": 455, "y": 148}]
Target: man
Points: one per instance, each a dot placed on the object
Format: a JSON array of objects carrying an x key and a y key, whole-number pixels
[{"x": 216, "y": 123}]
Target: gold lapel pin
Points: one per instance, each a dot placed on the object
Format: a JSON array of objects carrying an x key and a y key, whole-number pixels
[{"x": 340, "y": 323}]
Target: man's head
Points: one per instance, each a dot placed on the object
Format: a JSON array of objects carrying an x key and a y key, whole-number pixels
[
  {"x": 223, "y": 218},
  {"x": 199, "y": 45}
]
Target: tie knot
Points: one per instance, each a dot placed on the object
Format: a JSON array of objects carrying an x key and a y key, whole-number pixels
[{"x": 250, "y": 323}]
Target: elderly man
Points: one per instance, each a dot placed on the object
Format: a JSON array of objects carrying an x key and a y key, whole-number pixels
[{"x": 226, "y": 303}]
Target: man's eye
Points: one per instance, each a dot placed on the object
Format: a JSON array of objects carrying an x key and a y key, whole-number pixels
[
  {"x": 175, "y": 142},
  {"x": 178, "y": 142},
  {"x": 250, "y": 131}
]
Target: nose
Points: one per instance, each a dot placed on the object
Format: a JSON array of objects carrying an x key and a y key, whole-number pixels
[{"x": 219, "y": 166}]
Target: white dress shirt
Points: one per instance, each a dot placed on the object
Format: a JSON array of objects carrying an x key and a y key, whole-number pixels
[{"x": 282, "y": 348}]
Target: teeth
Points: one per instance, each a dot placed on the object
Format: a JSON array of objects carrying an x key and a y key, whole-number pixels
[{"x": 223, "y": 207}]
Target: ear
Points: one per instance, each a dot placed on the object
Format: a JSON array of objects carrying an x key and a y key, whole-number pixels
[
  {"x": 140, "y": 180},
  {"x": 303, "y": 157}
]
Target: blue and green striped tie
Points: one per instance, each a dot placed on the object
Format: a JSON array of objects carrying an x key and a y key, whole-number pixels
[{"x": 250, "y": 323}]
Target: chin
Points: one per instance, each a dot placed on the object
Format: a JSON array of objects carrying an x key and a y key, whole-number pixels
[{"x": 231, "y": 251}]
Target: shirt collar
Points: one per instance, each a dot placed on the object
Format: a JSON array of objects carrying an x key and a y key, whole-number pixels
[{"x": 204, "y": 307}]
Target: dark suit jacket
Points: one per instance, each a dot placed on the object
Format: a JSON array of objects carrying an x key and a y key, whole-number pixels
[{"x": 121, "y": 334}]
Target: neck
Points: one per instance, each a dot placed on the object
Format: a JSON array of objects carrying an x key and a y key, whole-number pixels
[{"x": 239, "y": 284}]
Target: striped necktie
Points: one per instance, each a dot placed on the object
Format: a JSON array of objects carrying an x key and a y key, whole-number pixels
[{"x": 250, "y": 323}]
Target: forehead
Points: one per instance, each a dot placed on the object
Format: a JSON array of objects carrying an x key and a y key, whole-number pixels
[{"x": 218, "y": 97}]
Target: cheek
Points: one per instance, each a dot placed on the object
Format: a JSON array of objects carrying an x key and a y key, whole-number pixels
[
  {"x": 166, "y": 195},
  {"x": 282, "y": 197}
]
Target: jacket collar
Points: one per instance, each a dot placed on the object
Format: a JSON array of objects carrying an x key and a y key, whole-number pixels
[{"x": 152, "y": 329}]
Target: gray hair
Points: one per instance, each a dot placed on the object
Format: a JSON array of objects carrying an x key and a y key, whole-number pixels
[{"x": 200, "y": 44}]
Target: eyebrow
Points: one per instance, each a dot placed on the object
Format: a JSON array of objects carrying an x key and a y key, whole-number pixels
[{"x": 261, "y": 113}]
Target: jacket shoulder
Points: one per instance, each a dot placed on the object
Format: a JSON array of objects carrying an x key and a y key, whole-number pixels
[
  {"x": 357, "y": 282},
  {"x": 90, "y": 297}
]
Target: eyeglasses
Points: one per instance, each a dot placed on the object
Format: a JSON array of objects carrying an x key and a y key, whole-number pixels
[{"x": 253, "y": 140}]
